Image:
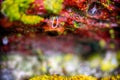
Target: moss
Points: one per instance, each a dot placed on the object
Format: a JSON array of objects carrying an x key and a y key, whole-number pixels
[
  {"x": 31, "y": 19},
  {"x": 56, "y": 77},
  {"x": 15, "y": 10},
  {"x": 53, "y": 6}
]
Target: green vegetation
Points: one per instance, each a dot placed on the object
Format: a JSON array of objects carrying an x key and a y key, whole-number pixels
[
  {"x": 53, "y": 6},
  {"x": 15, "y": 10}
]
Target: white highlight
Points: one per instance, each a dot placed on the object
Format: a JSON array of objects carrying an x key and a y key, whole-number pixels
[
  {"x": 94, "y": 10},
  {"x": 5, "y": 40},
  {"x": 53, "y": 22}
]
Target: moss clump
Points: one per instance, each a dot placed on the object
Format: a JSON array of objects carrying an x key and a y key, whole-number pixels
[
  {"x": 15, "y": 10},
  {"x": 31, "y": 19},
  {"x": 53, "y": 6},
  {"x": 56, "y": 77}
]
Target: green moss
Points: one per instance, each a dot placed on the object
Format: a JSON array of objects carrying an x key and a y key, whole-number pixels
[
  {"x": 15, "y": 10},
  {"x": 31, "y": 19},
  {"x": 11, "y": 10},
  {"x": 53, "y": 6}
]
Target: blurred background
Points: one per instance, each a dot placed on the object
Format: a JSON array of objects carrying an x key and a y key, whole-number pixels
[{"x": 33, "y": 54}]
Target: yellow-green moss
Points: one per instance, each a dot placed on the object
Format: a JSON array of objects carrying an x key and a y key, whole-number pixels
[
  {"x": 53, "y": 6},
  {"x": 31, "y": 19},
  {"x": 15, "y": 10},
  {"x": 56, "y": 77}
]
